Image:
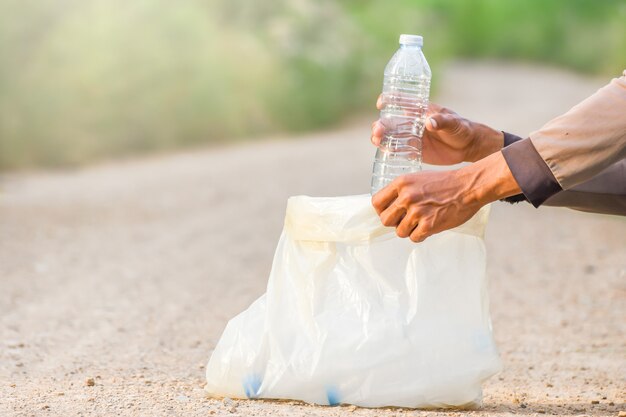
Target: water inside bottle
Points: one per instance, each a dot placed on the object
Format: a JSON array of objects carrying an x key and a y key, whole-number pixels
[{"x": 405, "y": 100}]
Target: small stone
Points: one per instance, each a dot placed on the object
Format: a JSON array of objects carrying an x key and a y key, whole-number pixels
[
  {"x": 90, "y": 382},
  {"x": 45, "y": 407},
  {"x": 522, "y": 405},
  {"x": 611, "y": 403},
  {"x": 92, "y": 399},
  {"x": 230, "y": 405},
  {"x": 549, "y": 385},
  {"x": 13, "y": 385},
  {"x": 352, "y": 408},
  {"x": 595, "y": 402},
  {"x": 60, "y": 394},
  {"x": 541, "y": 411},
  {"x": 19, "y": 364}
]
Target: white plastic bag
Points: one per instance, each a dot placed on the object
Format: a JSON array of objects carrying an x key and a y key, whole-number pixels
[{"x": 353, "y": 314}]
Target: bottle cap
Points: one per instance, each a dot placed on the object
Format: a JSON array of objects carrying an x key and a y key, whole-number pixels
[{"x": 412, "y": 40}]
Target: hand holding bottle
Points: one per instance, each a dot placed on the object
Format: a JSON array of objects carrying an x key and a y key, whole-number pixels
[{"x": 449, "y": 138}]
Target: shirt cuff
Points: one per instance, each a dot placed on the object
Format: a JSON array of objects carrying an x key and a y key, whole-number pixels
[
  {"x": 510, "y": 138},
  {"x": 530, "y": 171}
]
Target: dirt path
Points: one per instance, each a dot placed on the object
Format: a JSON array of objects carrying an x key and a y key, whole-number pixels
[{"x": 126, "y": 273}]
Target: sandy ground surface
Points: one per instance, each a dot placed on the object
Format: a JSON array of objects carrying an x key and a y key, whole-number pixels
[{"x": 116, "y": 281}]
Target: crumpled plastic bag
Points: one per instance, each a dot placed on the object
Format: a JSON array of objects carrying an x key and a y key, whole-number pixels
[{"x": 353, "y": 314}]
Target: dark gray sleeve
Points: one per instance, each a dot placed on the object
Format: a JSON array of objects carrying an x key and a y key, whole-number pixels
[
  {"x": 531, "y": 172},
  {"x": 510, "y": 138},
  {"x": 605, "y": 193}
]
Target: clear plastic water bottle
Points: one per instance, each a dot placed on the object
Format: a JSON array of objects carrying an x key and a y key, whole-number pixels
[{"x": 405, "y": 101}]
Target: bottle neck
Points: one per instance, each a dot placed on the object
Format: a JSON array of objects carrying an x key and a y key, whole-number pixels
[{"x": 409, "y": 46}]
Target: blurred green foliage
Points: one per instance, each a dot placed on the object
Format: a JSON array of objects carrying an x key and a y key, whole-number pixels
[{"x": 87, "y": 79}]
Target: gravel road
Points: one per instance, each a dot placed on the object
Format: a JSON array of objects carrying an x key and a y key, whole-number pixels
[{"x": 117, "y": 280}]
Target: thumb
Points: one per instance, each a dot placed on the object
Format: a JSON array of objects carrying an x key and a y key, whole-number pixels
[{"x": 439, "y": 121}]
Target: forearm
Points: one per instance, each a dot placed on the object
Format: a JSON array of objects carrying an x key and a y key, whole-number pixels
[
  {"x": 487, "y": 180},
  {"x": 571, "y": 150},
  {"x": 588, "y": 138}
]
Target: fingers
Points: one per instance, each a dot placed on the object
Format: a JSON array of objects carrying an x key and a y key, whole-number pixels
[
  {"x": 383, "y": 199},
  {"x": 441, "y": 118},
  {"x": 442, "y": 121},
  {"x": 431, "y": 124},
  {"x": 392, "y": 215},
  {"x": 378, "y": 130},
  {"x": 420, "y": 233},
  {"x": 399, "y": 206},
  {"x": 407, "y": 225}
]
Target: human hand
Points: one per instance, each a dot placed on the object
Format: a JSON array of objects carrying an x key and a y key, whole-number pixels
[
  {"x": 449, "y": 138},
  {"x": 424, "y": 203}
]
